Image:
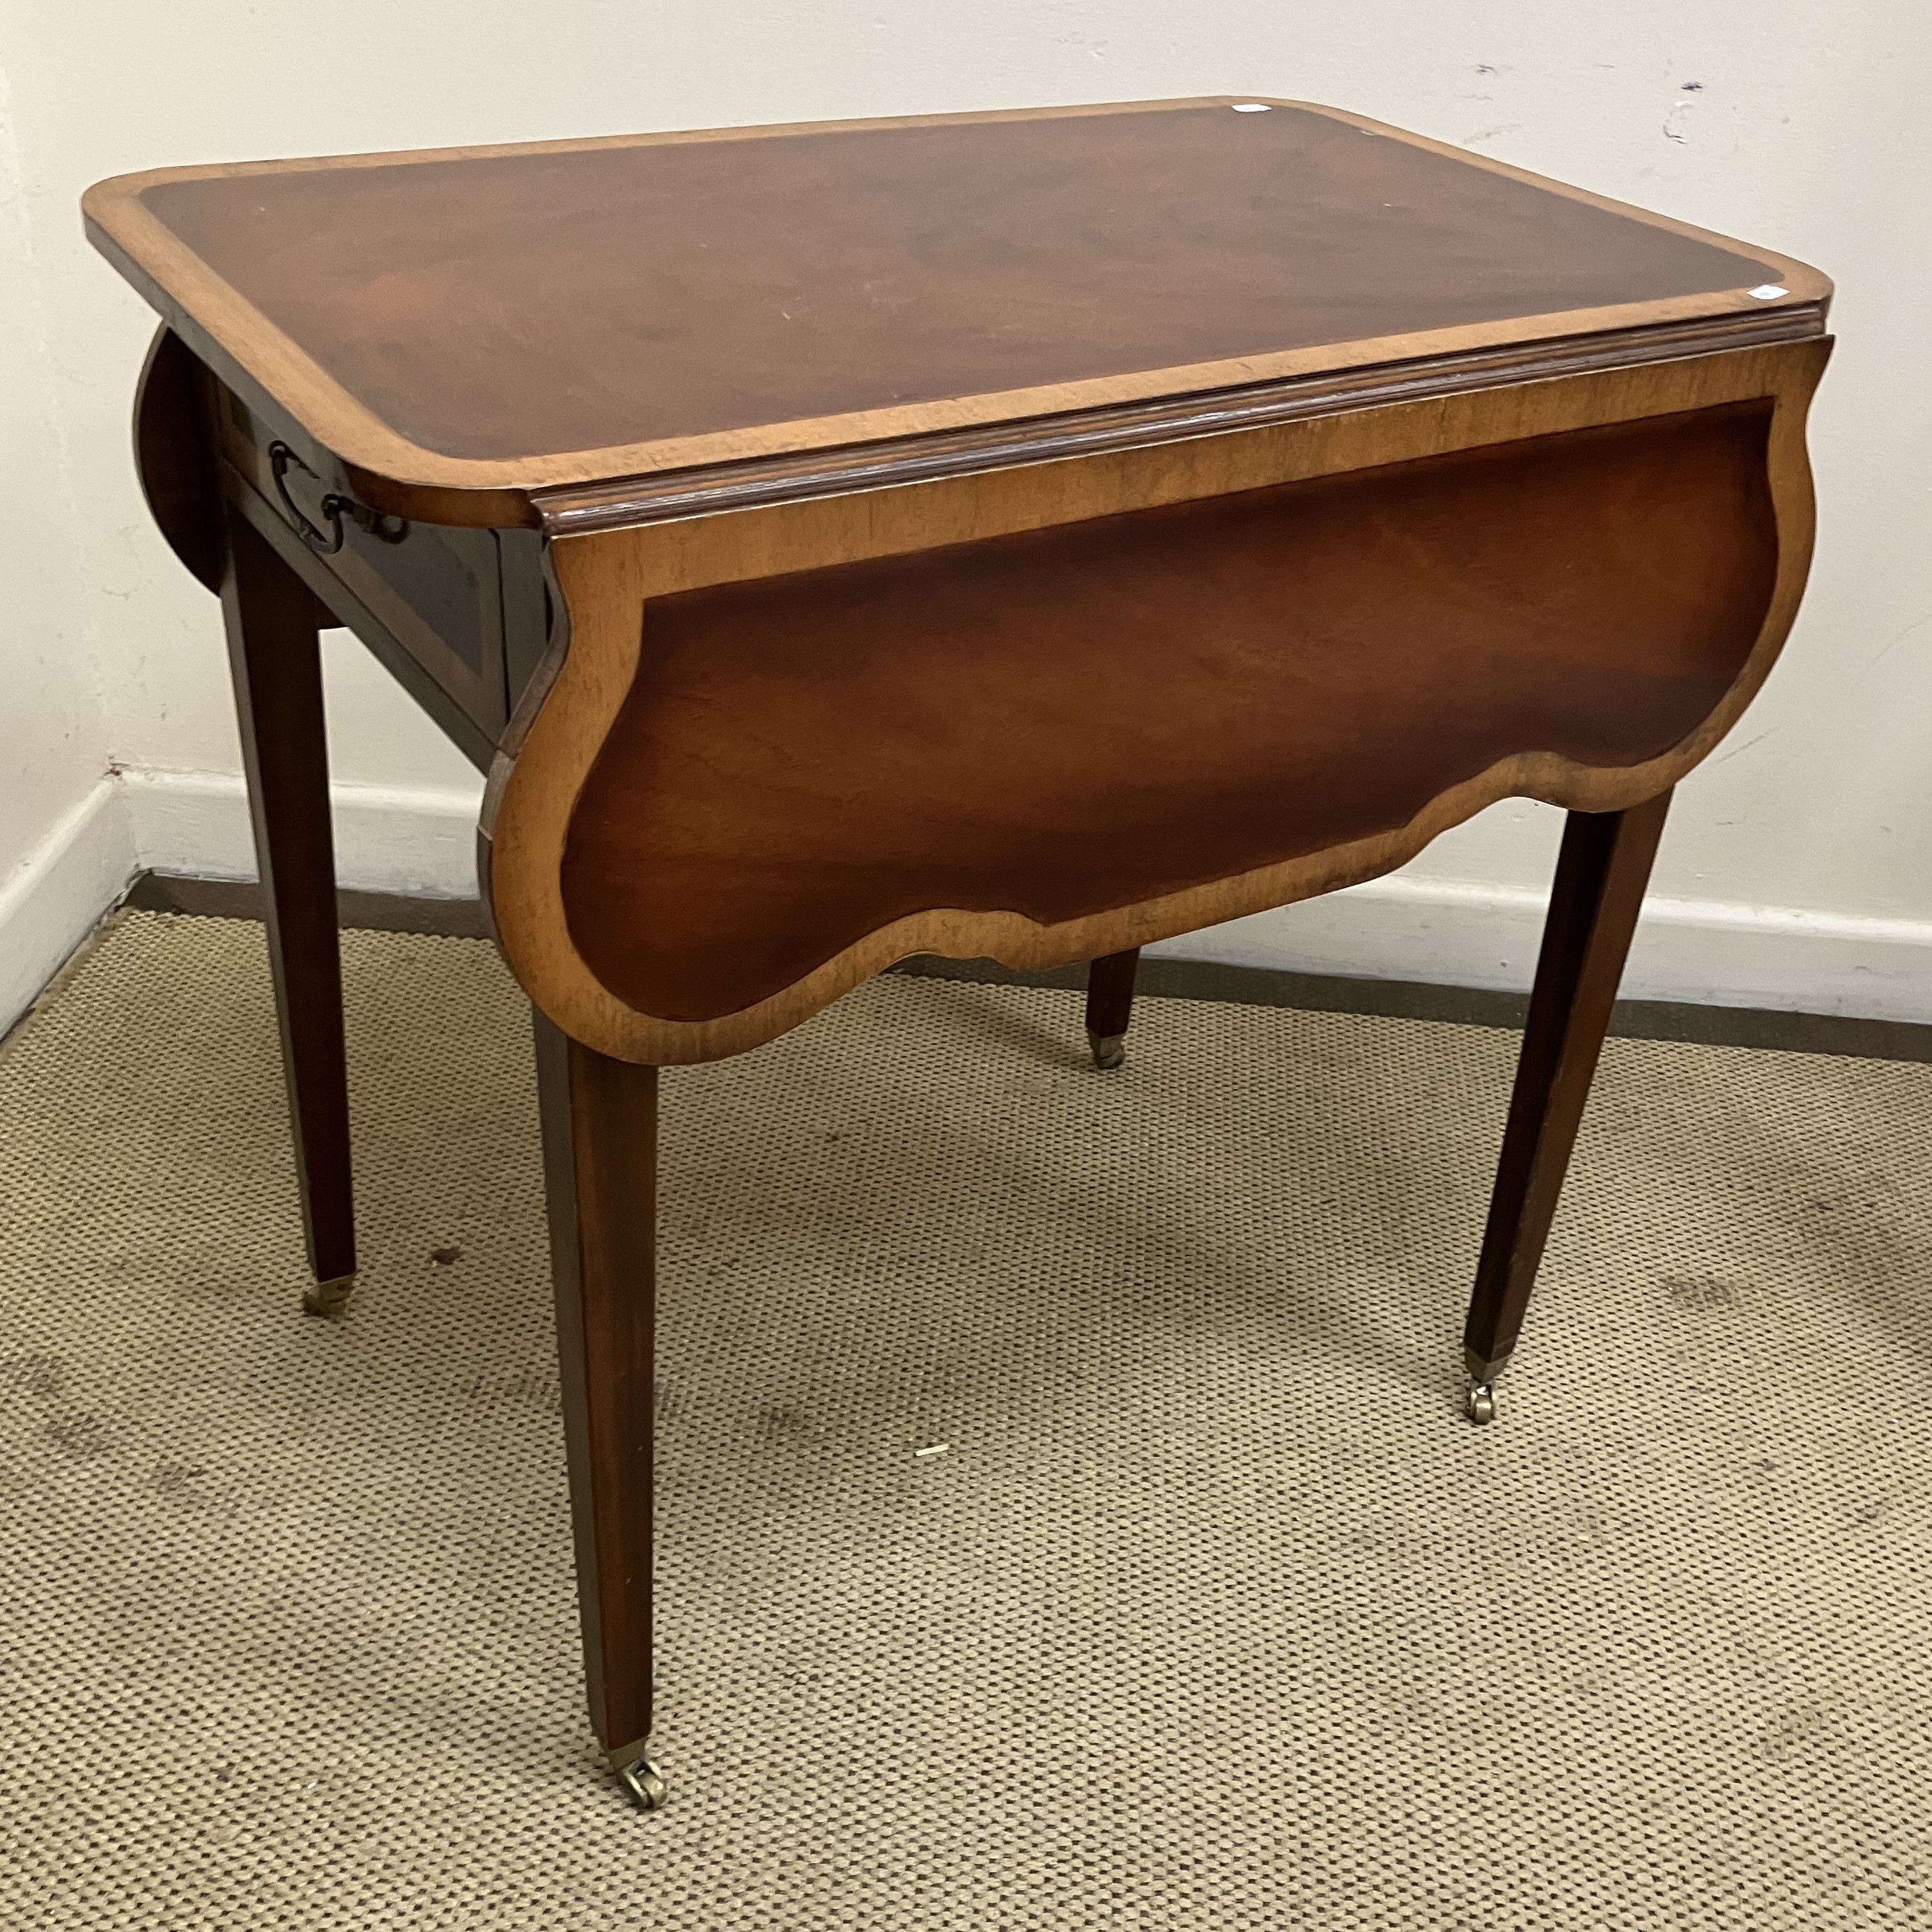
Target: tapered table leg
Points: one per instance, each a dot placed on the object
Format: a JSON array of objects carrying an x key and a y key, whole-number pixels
[
  {"x": 274, "y": 656},
  {"x": 600, "y": 1177},
  {"x": 1110, "y": 1006},
  {"x": 1600, "y": 875}
]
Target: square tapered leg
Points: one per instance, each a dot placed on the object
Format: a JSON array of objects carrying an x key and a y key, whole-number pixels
[
  {"x": 1600, "y": 876},
  {"x": 600, "y": 1175},
  {"x": 275, "y": 658},
  {"x": 1110, "y": 1006}
]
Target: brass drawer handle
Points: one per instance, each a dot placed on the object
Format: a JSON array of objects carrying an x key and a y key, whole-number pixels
[{"x": 335, "y": 507}]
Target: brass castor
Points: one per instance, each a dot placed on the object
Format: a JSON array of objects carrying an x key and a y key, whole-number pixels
[
  {"x": 1482, "y": 1401},
  {"x": 329, "y": 1299},
  {"x": 645, "y": 1783},
  {"x": 1110, "y": 1049}
]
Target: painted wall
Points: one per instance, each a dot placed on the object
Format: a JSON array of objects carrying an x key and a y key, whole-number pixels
[
  {"x": 1795, "y": 872},
  {"x": 65, "y": 845}
]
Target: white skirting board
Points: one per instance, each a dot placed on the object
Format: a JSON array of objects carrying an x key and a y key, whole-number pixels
[
  {"x": 1696, "y": 951},
  {"x": 388, "y": 839},
  {"x": 421, "y": 843},
  {"x": 52, "y": 900}
]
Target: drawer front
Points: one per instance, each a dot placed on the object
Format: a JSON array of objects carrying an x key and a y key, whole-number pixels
[{"x": 436, "y": 589}]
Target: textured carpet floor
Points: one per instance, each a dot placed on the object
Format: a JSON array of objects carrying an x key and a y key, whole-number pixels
[{"x": 1212, "y": 1613}]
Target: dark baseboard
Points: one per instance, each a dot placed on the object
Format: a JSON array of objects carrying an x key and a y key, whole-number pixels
[
  {"x": 1470, "y": 1005},
  {"x": 365, "y": 912},
  {"x": 1178, "y": 980}
]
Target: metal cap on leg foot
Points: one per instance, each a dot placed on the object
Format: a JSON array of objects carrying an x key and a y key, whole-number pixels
[
  {"x": 1481, "y": 1406},
  {"x": 329, "y": 1299},
  {"x": 639, "y": 1777},
  {"x": 1110, "y": 1050}
]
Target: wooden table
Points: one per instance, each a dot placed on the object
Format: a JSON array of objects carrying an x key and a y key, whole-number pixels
[{"x": 1020, "y": 535}]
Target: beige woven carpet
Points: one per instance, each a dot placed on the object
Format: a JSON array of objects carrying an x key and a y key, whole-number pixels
[{"x": 1211, "y": 1612}]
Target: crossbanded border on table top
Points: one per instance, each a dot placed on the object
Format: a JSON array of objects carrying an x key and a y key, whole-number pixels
[{"x": 1774, "y": 298}]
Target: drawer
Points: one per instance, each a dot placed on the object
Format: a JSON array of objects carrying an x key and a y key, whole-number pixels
[{"x": 435, "y": 589}]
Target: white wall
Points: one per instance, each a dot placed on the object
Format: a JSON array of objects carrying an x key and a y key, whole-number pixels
[
  {"x": 1795, "y": 872},
  {"x": 65, "y": 848}
]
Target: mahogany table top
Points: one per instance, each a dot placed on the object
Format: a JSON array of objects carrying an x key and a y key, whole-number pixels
[{"x": 564, "y": 313}]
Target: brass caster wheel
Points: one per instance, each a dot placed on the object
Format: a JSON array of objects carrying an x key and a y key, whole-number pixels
[
  {"x": 1110, "y": 1050},
  {"x": 645, "y": 1783},
  {"x": 1482, "y": 1401},
  {"x": 329, "y": 1299}
]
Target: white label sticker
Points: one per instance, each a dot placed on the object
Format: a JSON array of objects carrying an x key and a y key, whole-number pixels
[
  {"x": 1767, "y": 292},
  {"x": 1251, "y": 107}
]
